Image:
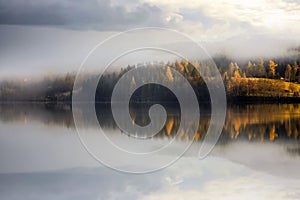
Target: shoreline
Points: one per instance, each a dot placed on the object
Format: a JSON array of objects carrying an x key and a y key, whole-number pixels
[{"x": 230, "y": 100}]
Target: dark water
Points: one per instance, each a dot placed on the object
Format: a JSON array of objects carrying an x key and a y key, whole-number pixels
[
  {"x": 251, "y": 122},
  {"x": 257, "y": 156}
]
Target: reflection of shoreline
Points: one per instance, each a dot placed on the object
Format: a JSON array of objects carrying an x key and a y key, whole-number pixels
[
  {"x": 263, "y": 122},
  {"x": 59, "y": 114},
  {"x": 263, "y": 99},
  {"x": 253, "y": 122}
]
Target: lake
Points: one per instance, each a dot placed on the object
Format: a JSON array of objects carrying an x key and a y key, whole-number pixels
[{"x": 257, "y": 155}]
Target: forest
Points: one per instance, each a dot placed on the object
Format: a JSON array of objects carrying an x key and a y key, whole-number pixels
[{"x": 256, "y": 80}]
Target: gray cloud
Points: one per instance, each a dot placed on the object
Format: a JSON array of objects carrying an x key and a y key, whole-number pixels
[
  {"x": 91, "y": 14},
  {"x": 197, "y": 15}
]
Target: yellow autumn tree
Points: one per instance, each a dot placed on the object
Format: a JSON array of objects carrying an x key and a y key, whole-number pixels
[
  {"x": 180, "y": 66},
  {"x": 237, "y": 75},
  {"x": 169, "y": 74},
  {"x": 288, "y": 72},
  {"x": 272, "y": 69},
  {"x": 186, "y": 64}
]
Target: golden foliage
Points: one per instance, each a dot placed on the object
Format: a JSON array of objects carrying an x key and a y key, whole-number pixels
[
  {"x": 169, "y": 74},
  {"x": 170, "y": 126}
]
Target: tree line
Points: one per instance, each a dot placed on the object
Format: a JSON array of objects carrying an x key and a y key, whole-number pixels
[{"x": 269, "y": 77}]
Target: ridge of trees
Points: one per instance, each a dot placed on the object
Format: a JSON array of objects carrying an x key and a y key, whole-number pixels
[{"x": 260, "y": 77}]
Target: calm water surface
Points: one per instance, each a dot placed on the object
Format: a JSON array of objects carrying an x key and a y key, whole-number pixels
[{"x": 257, "y": 156}]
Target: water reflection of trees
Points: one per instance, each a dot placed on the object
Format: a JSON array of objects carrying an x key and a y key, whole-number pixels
[
  {"x": 261, "y": 122},
  {"x": 48, "y": 114}
]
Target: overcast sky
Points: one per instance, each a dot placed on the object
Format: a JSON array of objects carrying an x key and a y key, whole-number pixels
[{"x": 35, "y": 35}]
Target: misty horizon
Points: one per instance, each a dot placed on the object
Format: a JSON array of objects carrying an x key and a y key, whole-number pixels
[{"x": 28, "y": 59}]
